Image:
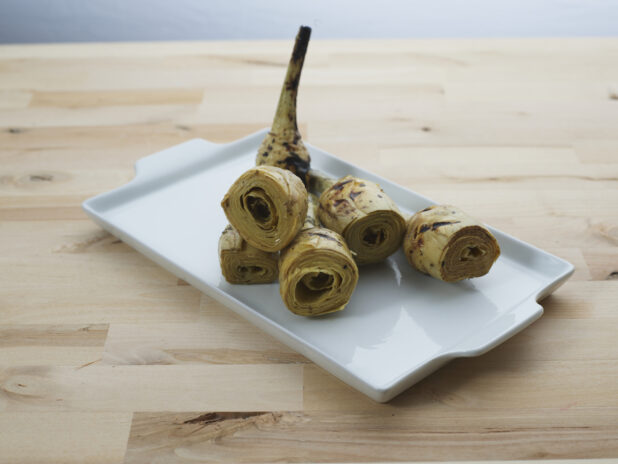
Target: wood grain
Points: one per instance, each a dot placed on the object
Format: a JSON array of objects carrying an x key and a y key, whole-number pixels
[
  {"x": 105, "y": 357},
  {"x": 356, "y": 437},
  {"x": 230, "y": 341},
  {"x": 93, "y": 387},
  {"x": 63, "y": 437},
  {"x": 38, "y": 344}
]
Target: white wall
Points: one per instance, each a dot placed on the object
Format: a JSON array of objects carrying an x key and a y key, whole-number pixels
[{"x": 114, "y": 20}]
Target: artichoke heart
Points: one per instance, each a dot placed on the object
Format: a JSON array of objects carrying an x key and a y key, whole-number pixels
[
  {"x": 367, "y": 218},
  {"x": 243, "y": 264},
  {"x": 267, "y": 206},
  {"x": 282, "y": 146},
  {"x": 317, "y": 273},
  {"x": 446, "y": 243}
]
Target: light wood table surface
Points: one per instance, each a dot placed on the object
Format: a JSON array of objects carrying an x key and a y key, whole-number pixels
[{"x": 106, "y": 357}]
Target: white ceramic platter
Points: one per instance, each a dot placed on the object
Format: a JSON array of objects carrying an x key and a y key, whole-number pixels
[{"x": 399, "y": 326}]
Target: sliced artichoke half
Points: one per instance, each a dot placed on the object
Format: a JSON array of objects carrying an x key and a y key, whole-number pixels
[
  {"x": 317, "y": 273},
  {"x": 446, "y": 243},
  {"x": 242, "y": 263},
  {"x": 267, "y": 206},
  {"x": 367, "y": 218}
]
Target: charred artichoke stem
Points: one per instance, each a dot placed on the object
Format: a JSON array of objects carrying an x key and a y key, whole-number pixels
[
  {"x": 285, "y": 117},
  {"x": 283, "y": 146},
  {"x": 319, "y": 182}
]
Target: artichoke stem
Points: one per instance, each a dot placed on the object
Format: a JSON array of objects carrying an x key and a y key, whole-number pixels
[
  {"x": 319, "y": 182},
  {"x": 283, "y": 147},
  {"x": 285, "y": 117}
]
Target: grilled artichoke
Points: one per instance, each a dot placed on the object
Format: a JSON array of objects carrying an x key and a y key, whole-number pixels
[
  {"x": 367, "y": 218},
  {"x": 267, "y": 206},
  {"x": 446, "y": 243},
  {"x": 242, "y": 263},
  {"x": 317, "y": 273},
  {"x": 283, "y": 147}
]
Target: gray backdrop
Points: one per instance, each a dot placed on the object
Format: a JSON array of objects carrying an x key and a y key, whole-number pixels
[{"x": 23, "y": 21}]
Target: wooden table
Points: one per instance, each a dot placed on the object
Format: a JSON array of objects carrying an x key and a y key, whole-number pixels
[{"x": 105, "y": 356}]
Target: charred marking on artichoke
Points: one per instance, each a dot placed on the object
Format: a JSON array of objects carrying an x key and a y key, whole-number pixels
[
  {"x": 419, "y": 242},
  {"x": 302, "y": 41},
  {"x": 379, "y": 196},
  {"x": 265, "y": 154},
  {"x": 353, "y": 195},
  {"x": 424, "y": 228},
  {"x": 339, "y": 201},
  {"x": 442, "y": 263},
  {"x": 293, "y": 84},
  {"x": 297, "y": 165},
  {"x": 339, "y": 185},
  {"x": 320, "y": 234},
  {"x": 429, "y": 208},
  {"x": 435, "y": 225}
]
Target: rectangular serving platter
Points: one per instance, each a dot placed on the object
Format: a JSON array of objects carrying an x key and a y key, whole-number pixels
[{"x": 399, "y": 326}]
